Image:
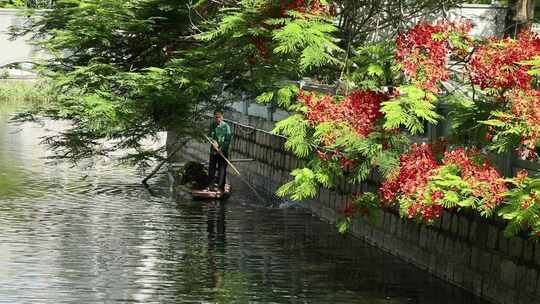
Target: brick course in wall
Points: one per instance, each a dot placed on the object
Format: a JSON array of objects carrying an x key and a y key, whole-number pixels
[{"x": 463, "y": 249}]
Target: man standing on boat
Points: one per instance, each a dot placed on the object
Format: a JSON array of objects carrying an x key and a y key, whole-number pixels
[{"x": 220, "y": 133}]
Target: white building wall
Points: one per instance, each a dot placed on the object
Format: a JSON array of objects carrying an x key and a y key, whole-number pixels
[
  {"x": 536, "y": 27},
  {"x": 488, "y": 19}
]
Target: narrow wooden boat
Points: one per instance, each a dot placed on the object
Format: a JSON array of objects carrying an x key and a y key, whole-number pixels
[
  {"x": 185, "y": 192},
  {"x": 190, "y": 179}
]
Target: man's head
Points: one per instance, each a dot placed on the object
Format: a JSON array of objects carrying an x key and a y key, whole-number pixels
[{"x": 218, "y": 116}]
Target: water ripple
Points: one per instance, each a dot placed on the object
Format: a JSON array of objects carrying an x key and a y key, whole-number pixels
[{"x": 95, "y": 235}]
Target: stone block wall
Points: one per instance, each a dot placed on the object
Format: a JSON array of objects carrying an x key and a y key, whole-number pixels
[{"x": 463, "y": 249}]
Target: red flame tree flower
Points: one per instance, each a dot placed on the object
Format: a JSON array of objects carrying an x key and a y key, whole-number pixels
[
  {"x": 359, "y": 111},
  {"x": 314, "y": 7},
  {"x": 423, "y": 51},
  {"x": 495, "y": 65},
  {"x": 408, "y": 186},
  {"x": 423, "y": 188}
]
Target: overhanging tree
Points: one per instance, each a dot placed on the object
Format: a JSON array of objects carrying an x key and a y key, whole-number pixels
[{"x": 124, "y": 71}]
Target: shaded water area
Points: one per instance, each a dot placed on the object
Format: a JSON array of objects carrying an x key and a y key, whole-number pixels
[{"x": 95, "y": 235}]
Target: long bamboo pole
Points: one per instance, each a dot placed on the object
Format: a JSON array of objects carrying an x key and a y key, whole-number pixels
[{"x": 212, "y": 142}]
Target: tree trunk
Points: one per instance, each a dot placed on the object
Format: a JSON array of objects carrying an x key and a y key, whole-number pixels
[{"x": 520, "y": 16}]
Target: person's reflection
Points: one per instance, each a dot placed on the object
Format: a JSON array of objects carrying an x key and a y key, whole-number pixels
[{"x": 216, "y": 240}]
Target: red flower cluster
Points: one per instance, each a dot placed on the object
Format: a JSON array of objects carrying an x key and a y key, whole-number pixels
[
  {"x": 349, "y": 210},
  {"x": 424, "y": 49},
  {"x": 415, "y": 168},
  {"x": 362, "y": 109},
  {"x": 484, "y": 180},
  {"x": 525, "y": 153},
  {"x": 307, "y": 6},
  {"x": 359, "y": 111},
  {"x": 321, "y": 109},
  {"x": 420, "y": 197},
  {"x": 526, "y": 107},
  {"x": 262, "y": 51},
  {"x": 260, "y": 43},
  {"x": 426, "y": 212},
  {"x": 495, "y": 64},
  {"x": 498, "y": 66},
  {"x": 521, "y": 175}
]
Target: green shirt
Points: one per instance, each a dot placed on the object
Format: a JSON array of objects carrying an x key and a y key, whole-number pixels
[{"x": 222, "y": 134}]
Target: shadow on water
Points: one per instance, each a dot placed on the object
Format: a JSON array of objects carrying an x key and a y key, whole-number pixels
[{"x": 95, "y": 235}]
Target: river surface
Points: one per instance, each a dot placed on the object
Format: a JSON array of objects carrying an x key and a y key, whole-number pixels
[{"x": 93, "y": 234}]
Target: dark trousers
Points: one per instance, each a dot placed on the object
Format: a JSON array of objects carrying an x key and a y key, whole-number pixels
[{"x": 216, "y": 161}]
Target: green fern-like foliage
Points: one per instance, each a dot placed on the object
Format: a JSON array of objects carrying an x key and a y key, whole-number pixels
[
  {"x": 464, "y": 115},
  {"x": 283, "y": 97},
  {"x": 296, "y": 128},
  {"x": 457, "y": 193},
  {"x": 303, "y": 186},
  {"x": 265, "y": 45},
  {"x": 308, "y": 39},
  {"x": 410, "y": 110},
  {"x": 122, "y": 72},
  {"x": 522, "y": 208},
  {"x": 535, "y": 63},
  {"x": 372, "y": 67},
  {"x": 508, "y": 135}
]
